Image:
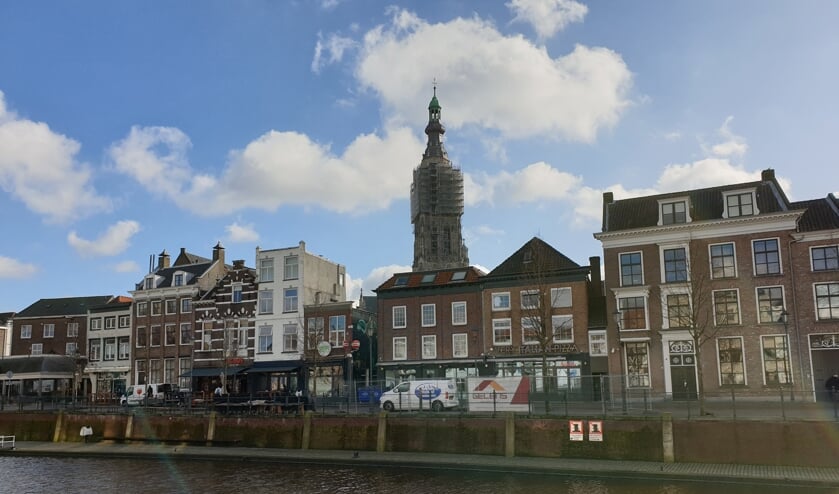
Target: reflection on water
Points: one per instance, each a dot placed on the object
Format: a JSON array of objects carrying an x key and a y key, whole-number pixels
[{"x": 124, "y": 476}]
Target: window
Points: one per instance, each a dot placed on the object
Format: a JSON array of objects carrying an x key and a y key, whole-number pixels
[
  {"x": 71, "y": 348},
  {"x": 142, "y": 336},
  {"x": 825, "y": 258},
  {"x": 124, "y": 321},
  {"x": 633, "y": 313},
  {"x": 72, "y": 330},
  {"x": 178, "y": 281},
  {"x": 25, "y": 331},
  {"x": 597, "y": 344},
  {"x": 205, "y": 336},
  {"x": 460, "y": 345},
  {"x": 770, "y": 303},
  {"x": 563, "y": 328},
  {"x": 767, "y": 256},
  {"x": 530, "y": 330},
  {"x": 726, "y": 307},
  {"x": 429, "y": 315},
  {"x": 399, "y": 317},
  {"x": 94, "y": 350},
  {"x": 732, "y": 365},
  {"x": 827, "y": 301},
  {"x": 429, "y": 346},
  {"x": 316, "y": 328},
  {"x": 678, "y": 310},
  {"x": 142, "y": 309},
  {"x": 337, "y": 330},
  {"x": 560, "y": 297},
  {"x": 631, "y": 271},
  {"x": 428, "y": 278},
  {"x": 185, "y": 367},
  {"x": 186, "y": 305},
  {"x": 739, "y": 204},
  {"x": 501, "y": 301},
  {"x": 675, "y": 265},
  {"x": 140, "y": 368},
  {"x": 401, "y": 281},
  {"x": 171, "y": 306},
  {"x": 110, "y": 349},
  {"x": 171, "y": 335},
  {"x": 110, "y": 323},
  {"x": 37, "y": 349},
  {"x": 236, "y": 296},
  {"x": 290, "y": 300},
  {"x": 154, "y": 371},
  {"x": 502, "y": 332},
  {"x": 155, "y": 336},
  {"x": 266, "y": 301},
  {"x": 186, "y": 333},
  {"x": 637, "y": 365},
  {"x": 49, "y": 330},
  {"x": 458, "y": 313},
  {"x": 169, "y": 370},
  {"x": 775, "y": 360},
  {"x": 673, "y": 212},
  {"x": 148, "y": 283},
  {"x": 96, "y": 324},
  {"x": 400, "y": 348},
  {"x": 289, "y": 338},
  {"x": 290, "y": 268},
  {"x": 123, "y": 348},
  {"x": 155, "y": 307},
  {"x": 266, "y": 338},
  {"x": 459, "y": 276},
  {"x": 530, "y": 299},
  {"x": 266, "y": 270},
  {"x": 723, "y": 263}
]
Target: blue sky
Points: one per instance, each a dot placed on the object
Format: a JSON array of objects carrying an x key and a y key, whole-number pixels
[{"x": 127, "y": 128}]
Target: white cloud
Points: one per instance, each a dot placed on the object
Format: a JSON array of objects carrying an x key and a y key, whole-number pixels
[
  {"x": 113, "y": 241},
  {"x": 505, "y": 83},
  {"x": 278, "y": 168},
  {"x": 547, "y": 17},
  {"x": 12, "y": 268},
  {"x": 708, "y": 172},
  {"x": 330, "y": 51},
  {"x": 241, "y": 233},
  {"x": 486, "y": 230},
  {"x": 732, "y": 145},
  {"x": 329, "y": 4},
  {"x": 537, "y": 182},
  {"x": 126, "y": 267},
  {"x": 372, "y": 281},
  {"x": 38, "y": 167}
]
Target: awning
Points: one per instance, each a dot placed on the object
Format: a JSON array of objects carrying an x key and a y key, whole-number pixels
[
  {"x": 214, "y": 371},
  {"x": 273, "y": 366}
]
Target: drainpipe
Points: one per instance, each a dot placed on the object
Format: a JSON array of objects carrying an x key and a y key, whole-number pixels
[{"x": 795, "y": 313}]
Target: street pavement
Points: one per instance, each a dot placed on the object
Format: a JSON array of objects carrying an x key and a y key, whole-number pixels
[{"x": 752, "y": 474}]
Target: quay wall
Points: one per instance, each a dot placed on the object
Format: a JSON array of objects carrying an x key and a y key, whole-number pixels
[{"x": 659, "y": 439}]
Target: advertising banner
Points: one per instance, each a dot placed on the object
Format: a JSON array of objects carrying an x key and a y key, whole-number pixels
[{"x": 502, "y": 394}]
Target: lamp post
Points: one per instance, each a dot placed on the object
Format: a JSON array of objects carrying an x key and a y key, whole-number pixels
[
  {"x": 617, "y": 316},
  {"x": 787, "y": 356}
]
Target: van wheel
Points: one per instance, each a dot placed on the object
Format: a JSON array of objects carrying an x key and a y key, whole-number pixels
[
  {"x": 388, "y": 406},
  {"x": 437, "y": 406}
]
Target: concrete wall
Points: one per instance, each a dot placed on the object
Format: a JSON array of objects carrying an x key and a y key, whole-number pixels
[{"x": 805, "y": 443}]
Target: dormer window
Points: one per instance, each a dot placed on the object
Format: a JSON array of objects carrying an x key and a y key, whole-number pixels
[
  {"x": 178, "y": 280},
  {"x": 148, "y": 283},
  {"x": 739, "y": 203},
  {"x": 673, "y": 211}
]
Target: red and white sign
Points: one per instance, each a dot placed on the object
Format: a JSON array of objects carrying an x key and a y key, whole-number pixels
[
  {"x": 595, "y": 430},
  {"x": 356, "y": 345},
  {"x": 575, "y": 430},
  {"x": 346, "y": 344},
  {"x": 509, "y": 394}
]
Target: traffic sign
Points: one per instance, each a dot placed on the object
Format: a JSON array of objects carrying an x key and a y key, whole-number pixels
[
  {"x": 346, "y": 344},
  {"x": 356, "y": 345}
]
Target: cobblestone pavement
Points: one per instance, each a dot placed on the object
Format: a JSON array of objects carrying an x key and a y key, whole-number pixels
[{"x": 791, "y": 475}]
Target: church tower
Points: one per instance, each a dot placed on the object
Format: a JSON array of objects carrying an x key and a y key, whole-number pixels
[{"x": 437, "y": 203}]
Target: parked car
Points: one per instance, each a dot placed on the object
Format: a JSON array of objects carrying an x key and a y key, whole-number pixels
[{"x": 421, "y": 395}]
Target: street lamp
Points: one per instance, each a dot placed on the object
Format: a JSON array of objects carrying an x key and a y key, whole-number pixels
[
  {"x": 787, "y": 356},
  {"x": 618, "y": 317}
]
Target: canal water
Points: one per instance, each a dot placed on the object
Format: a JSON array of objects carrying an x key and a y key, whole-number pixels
[{"x": 126, "y": 476}]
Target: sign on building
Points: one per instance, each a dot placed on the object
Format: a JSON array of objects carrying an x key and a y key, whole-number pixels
[
  {"x": 575, "y": 430},
  {"x": 502, "y": 394},
  {"x": 595, "y": 430}
]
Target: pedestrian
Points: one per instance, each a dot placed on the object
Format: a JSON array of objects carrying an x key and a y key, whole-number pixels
[
  {"x": 218, "y": 391},
  {"x": 832, "y": 385}
]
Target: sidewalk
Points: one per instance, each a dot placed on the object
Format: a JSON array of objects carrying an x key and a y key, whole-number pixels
[{"x": 790, "y": 475}]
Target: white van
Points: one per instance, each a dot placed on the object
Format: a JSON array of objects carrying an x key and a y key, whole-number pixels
[
  {"x": 421, "y": 395},
  {"x": 149, "y": 394}
]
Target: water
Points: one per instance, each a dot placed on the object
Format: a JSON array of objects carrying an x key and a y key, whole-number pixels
[{"x": 125, "y": 476}]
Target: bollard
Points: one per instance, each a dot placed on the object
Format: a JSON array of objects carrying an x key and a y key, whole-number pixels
[{"x": 733, "y": 404}]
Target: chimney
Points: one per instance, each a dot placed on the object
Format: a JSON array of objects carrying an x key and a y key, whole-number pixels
[
  {"x": 768, "y": 175},
  {"x": 239, "y": 263},
  {"x": 163, "y": 260},
  {"x": 218, "y": 253},
  {"x": 596, "y": 279},
  {"x": 608, "y": 198}
]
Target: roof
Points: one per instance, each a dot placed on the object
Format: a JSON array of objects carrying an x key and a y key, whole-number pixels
[
  {"x": 820, "y": 214},
  {"x": 6, "y": 317},
  {"x": 50, "y": 307},
  {"x": 196, "y": 270},
  {"x": 435, "y": 278},
  {"x": 705, "y": 204},
  {"x": 536, "y": 250},
  {"x": 37, "y": 364}
]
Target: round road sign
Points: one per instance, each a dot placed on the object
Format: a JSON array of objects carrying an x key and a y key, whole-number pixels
[{"x": 356, "y": 344}]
